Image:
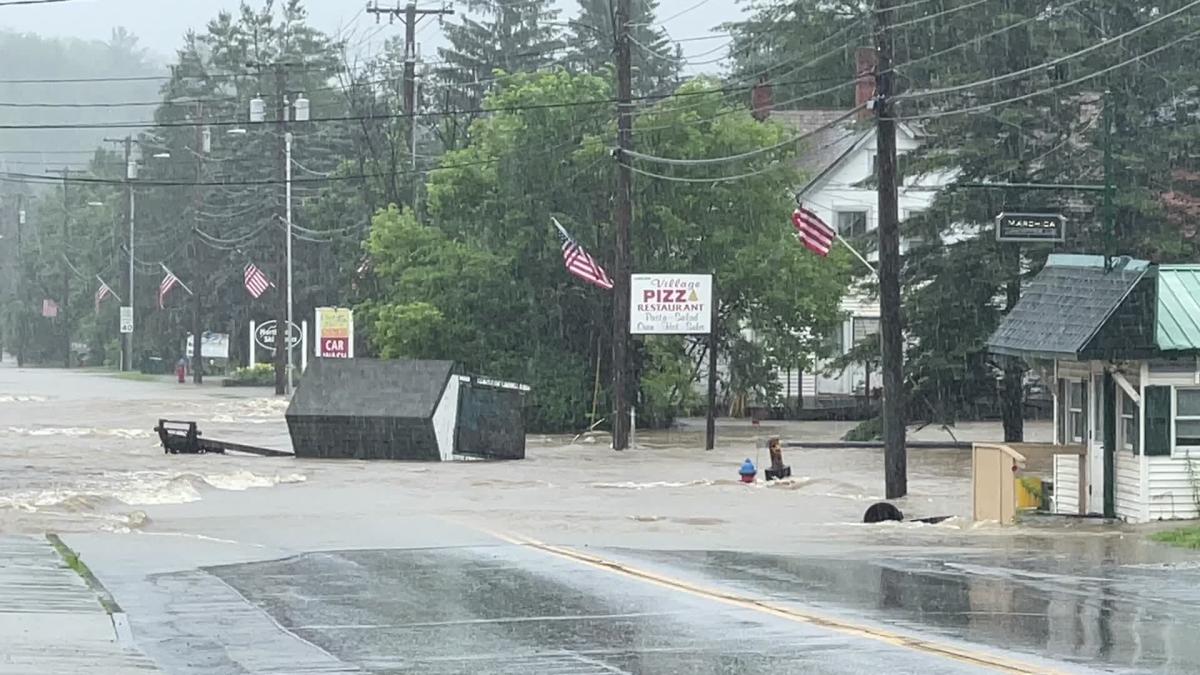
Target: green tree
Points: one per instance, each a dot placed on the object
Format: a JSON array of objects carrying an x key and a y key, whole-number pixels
[
  {"x": 656, "y": 67},
  {"x": 514, "y": 312},
  {"x": 495, "y": 38},
  {"x": 1055, "y": 135}
]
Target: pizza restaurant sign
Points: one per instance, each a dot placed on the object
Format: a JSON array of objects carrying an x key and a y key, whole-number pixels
[{"x": 670, "y": 304}]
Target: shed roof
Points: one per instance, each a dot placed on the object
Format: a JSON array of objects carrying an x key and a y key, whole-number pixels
[
  {"x": 1178, "y": 325},
  {"x": 1065, "y": 306}
]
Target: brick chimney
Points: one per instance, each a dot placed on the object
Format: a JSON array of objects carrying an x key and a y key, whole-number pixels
[
  {"x": 865, "y": 61},
  {"x": 761, "y": 99}
]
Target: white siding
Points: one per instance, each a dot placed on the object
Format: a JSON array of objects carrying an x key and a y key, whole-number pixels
[
  {"x": 1173, "y": 490},
  {"x": 860, "y": 304},
  {"x": 791, "y": 380},
  {"x": 1066, "y": 484},
  {"x": 445, "y": 419},
  {"x": 1129, "y": 486}
]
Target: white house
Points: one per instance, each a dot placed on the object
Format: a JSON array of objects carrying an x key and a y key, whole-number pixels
[
  {"x": 839, "y": 164},
  {"x": 1122, "y": 340}
]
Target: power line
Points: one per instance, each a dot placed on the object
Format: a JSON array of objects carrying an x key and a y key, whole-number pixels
[
  {"x": 7, "y": 3},
  {"x": 1079, "y": 80},
  {"x": 1048, "y": 64},
  {"x": 751, "y": 153}
]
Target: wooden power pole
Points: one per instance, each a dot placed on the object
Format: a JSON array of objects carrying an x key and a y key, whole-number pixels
[
  {"x": 624, "y": 218},
  {"x": 65, "y": 304},
  {"x": 410, "y": 15},
  {"x": 890, "y": 326}
]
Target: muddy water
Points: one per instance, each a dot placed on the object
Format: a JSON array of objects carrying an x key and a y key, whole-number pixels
[{"x": 77, "y": 452}]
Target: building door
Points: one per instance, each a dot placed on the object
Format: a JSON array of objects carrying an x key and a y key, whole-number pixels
[{"x": 1095, "y": 444}]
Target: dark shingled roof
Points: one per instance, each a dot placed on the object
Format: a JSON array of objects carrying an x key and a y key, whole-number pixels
[
  {"x": 1065, "y": 306},
  {"x": 821, "y": 151}
]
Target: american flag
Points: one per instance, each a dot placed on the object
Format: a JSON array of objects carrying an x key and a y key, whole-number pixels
[
  {"x": 579, "y": 263},
  {"x": 101, "y": 293},
  {"x": 813, "y": 232},
  {"x": 256, "y": 281},
  {"x": 169, "y": 281}
]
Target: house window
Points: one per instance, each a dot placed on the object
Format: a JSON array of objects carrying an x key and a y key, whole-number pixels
[
  {"x": 852, "y": 223},
  {"x": 1129, "y": 424},
  {"x": 864, "y": 327},
  {"x": 1187, "y": 418},
  {"x": 837, "y": 340},
  {"x": 1076, "y": 412}
]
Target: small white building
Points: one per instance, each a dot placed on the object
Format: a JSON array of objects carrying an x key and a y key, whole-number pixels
[
  {"x": 1122, "y": 341},
  {"x": 838, "y": 162}
]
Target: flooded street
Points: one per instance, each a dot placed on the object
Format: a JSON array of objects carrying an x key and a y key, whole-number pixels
[{"x": 576, "y": 560}]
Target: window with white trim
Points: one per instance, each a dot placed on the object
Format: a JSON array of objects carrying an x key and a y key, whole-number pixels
[
  {"x": 1129, "y": 429},
  {"x": 851, "y": 223},
  {"x": 1187, "y": 418},
  {"x": 1076, "y": 411}
]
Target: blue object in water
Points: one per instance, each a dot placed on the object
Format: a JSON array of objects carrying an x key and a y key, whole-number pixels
[{"x": 747, "y": 469}]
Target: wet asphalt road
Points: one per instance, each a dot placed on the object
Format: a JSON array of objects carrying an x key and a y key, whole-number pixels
[{"x": 508, "y": 610}]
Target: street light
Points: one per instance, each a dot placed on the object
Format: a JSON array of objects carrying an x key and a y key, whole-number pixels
[{"x": 300, "y": 112}]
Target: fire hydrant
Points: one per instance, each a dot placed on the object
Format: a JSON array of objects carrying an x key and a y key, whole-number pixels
[
  {"x": 747, "y": 472},
  {"x": 181, "y": 370}
]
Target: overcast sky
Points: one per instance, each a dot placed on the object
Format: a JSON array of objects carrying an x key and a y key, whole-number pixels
[{"x": 159, "y": 24}]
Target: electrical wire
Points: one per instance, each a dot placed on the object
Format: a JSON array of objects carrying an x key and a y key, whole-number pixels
[
  {"x": 1043, "y": 66},
  {"x": 715, "y": 179},
  {"x": 674, "y": 161},
  {"x": 1079, "y": 80}
]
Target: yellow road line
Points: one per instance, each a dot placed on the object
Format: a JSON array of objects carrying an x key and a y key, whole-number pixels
[{"x": 982, "y": 659}]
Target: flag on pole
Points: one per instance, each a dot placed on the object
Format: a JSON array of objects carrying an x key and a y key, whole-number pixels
[
  {"x": 256, "y": 281},
  {"x": 169, "y": 281},
  {"x": 579, "y": 263},
  {"x": 49, "y": 308},
  {"x": 101, "y": 293},
  {"x": 813, "y": 232}
]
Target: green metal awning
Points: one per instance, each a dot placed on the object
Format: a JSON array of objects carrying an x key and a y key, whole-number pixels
[{"x": 1177, "y": 327}]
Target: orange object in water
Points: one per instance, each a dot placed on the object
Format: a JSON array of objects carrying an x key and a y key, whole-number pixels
[{"x": 181, "y": 373}]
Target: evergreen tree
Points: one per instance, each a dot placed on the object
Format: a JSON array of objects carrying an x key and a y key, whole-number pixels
[
  {"x": 656, "y": 60},
  {"x": 496, "y": 37}
]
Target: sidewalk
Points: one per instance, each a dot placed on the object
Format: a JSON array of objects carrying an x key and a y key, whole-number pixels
[{"x": 51, "y": 621}]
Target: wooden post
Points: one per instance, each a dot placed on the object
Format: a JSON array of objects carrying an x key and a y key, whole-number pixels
[
  {"x": 892, "y": 357},
  {"x": 710, "y": 423}
]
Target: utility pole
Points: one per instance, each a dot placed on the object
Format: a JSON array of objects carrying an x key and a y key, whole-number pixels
[
  {"x": 283, "y": 330},
  {"x": 64, "y": 306},
  {"x": 410, "y": 15},
  {"x": 890, "y": 328},
  {"x": 198, "y": 254},
  {"x": 127, "y": 338},
  {"x": 624, "y": 218},
  {"x": 22, "y": 318},
  {"x": 1110, "y": 214}
]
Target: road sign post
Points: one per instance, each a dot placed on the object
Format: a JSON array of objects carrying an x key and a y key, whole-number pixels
[{"x": 126, "y": 320}]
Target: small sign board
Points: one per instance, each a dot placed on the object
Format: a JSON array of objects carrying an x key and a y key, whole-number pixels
[
  {"x": 335, "y": 333},
  {"x": 126, "y": 320},
  {"x": 212, "y": 345},
  {"x": 264, "y": 335},
  {"x": 670, "y": 304},
  {"x": 1031, "y": 227}
]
